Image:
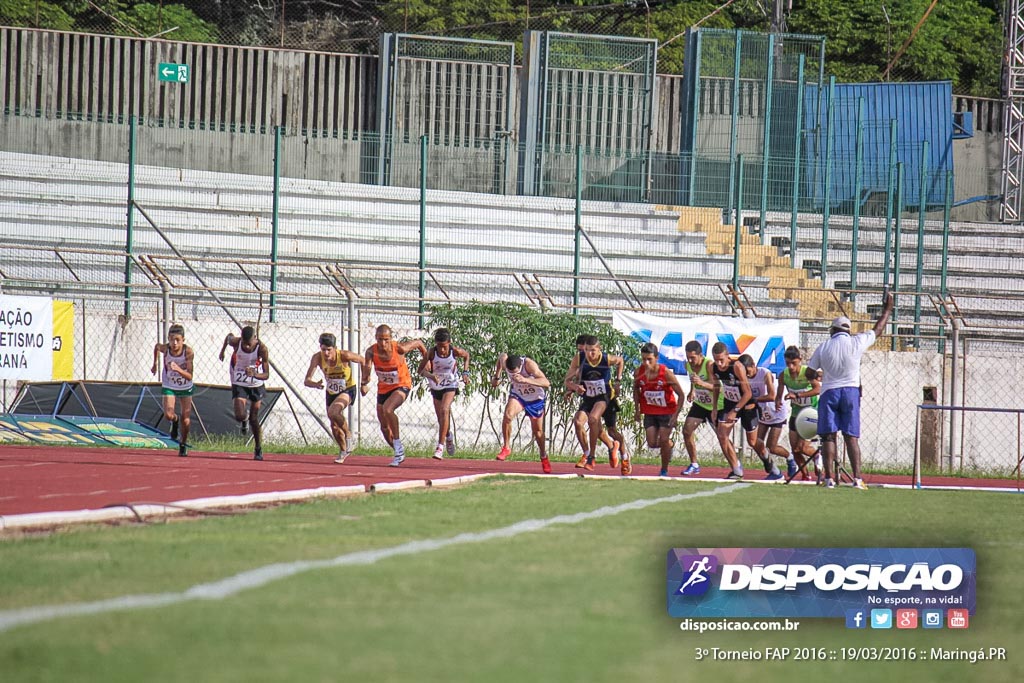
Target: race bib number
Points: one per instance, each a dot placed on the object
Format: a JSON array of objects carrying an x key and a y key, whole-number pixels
[
  {"x": 335, "y": 385},
  {"x": 447, "y": 380},
  {"x": 178, "y": 380},
  {"x": 702, "y": 395},
  {"x": 526, "y": 390},
  {"x": 655, "y": 398},
  {"x": 594, "y": 387},
  {"x": 241, "y": 378},
  {"x": 387, "y": 376},
  {"x": 768, "y": 413},
  {"x": 731, "y": 393},
  {"x": 802, "y": 400}
]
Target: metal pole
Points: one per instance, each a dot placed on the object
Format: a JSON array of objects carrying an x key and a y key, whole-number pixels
[
  {"x": 165, "y": 295},
  {"x": 896, "y": 252},
  {"x": 827, "y": 207},
  {"x": 798, "y": 137},
  {"x": 576, "y": 232},
  {"x": 275, "y": 223},
  {"x": 922, "y": 203},
  {"x": 946, "y": 210},
  {"x": 735, "y": 116},
  {"x": 695, "y": 114},
  {"x": 130, "y": 229},
  {"x": 353, "y": 346},
  {"x": 766, "y": 145},
  {"x": 953, "y": 398},
  {"x": 890, "y": 204},
  {"x": 739, "y": 223},
  {"x": 858, "y": 182},
  {"x": 423, "y": 226}
]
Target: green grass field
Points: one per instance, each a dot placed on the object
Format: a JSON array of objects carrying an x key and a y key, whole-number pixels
[{"x": 566, "y": 602}]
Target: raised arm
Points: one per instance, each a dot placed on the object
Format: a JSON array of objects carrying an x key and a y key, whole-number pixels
[
  {"x": 264, "y": 355},
  {"x": 230, "y": 340},
  {"x": 158, "y": 348},
  {"x": 428, "y": 357},
  {"x": 411, "y": 345},
  {"x": 314, "y": 363},
  {"x": 539, "y": 379},
  {"x": 497, "y": 369},
  {"x": 883, "y": 317}
]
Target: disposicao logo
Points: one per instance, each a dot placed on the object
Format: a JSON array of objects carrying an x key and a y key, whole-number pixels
[
  {"x": 697, "y": 579},
  {"x": 817, "y": 582}
]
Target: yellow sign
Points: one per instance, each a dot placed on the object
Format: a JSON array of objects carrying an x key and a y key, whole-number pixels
[{"x": 63, "y": 340}]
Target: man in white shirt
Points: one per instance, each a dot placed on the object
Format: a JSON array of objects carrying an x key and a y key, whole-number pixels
[{"x": 838, "y": 359}]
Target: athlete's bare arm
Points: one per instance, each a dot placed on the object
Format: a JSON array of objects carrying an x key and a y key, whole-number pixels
[
  {"x": 412, "y": 345},
  {"x": 230, "y": 340},
  {"x": 158, "y": 348},
  {"x": 539, "y": 379},
  {"x": 314, "y": 363}
]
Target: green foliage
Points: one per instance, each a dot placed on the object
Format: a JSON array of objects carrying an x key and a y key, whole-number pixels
[
  {"x": 960, "y": 42},
  {"x": 150, "y": 19},
  {"x": 39, "y": 14},
  {"x": 487, "y": 330}
]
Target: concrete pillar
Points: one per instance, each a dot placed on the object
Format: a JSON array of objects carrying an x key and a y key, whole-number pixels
[{"x": 930, "y": 430}]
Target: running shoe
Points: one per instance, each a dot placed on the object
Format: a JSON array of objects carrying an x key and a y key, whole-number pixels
[
  {"x": 734, "y": 476},
  {"x": 398, "y": 460},
  {"x": 449, "y": 443},
  {"x": 589, "y": 465},
  {"x": 582, "y": 462},
  {"x": 627, "y": 467},
  {"x": 545, "y": 465},
  {"x": 174, "y": 429},
  {"x": 439, "y": 452},
  {"x": 341, "y": 457},
  {"x": 504, "y": 452},
  {"x": 692, "y": 468},
  {"x": 829, "y": 484},
  {"x": 613, "y": 455},
  {"x": 257, "y": 454},
  {"x": 663, "y": 473},
  {"x": 182, "y": 450},
  {"x": 859, "y": 484},
  {"x": 773, "y": 476}
]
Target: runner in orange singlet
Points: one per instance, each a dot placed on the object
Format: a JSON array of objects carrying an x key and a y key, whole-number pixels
[{"x": 393, "y": 383}]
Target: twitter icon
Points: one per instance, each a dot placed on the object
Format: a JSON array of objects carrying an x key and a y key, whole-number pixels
[{"x": 881, "y": 618}]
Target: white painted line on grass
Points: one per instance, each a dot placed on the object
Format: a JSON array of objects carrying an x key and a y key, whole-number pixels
[{"x": 261, "y": 576}]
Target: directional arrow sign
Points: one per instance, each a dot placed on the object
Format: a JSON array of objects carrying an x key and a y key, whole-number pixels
[{"x": 174, "y": 73}]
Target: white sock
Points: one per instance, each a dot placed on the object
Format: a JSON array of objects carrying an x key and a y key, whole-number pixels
[{"x": 397, "y": 445}]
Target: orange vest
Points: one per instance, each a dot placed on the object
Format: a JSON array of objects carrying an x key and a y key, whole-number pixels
[{"x": 392, "y": 372}]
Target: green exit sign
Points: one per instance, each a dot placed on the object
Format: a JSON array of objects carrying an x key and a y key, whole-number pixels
[{"x": 175, "y": 73}]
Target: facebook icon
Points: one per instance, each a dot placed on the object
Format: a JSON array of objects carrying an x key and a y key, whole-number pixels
[{"x": 856, "y": 618}]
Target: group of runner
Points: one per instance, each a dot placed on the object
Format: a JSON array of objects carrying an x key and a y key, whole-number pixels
[{"x": 722, "y": 391}]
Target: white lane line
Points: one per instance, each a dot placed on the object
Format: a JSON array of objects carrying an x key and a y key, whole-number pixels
[{"x": 261, "y": 576}]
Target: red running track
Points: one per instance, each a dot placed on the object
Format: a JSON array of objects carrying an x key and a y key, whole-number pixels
[{"x": 46, "y": 479}]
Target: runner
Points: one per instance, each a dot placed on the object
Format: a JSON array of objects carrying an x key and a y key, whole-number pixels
[
  {"x": 799, "y": 386},
  {"x": 761, "y": 394},
  {"x": 176, "y": 382},
  {"x": 440, "y": 366},
  {"x": 250, "y": 368},
  {"x": 658, "y": 398},
  {"x": 340, "y": 391},
  {"x": 702, "y": 397},
  {"x": 592, "y": 381},
  {"x": 618, "y": 444},
  {"x": 528, "y": 394},
  {"x": 733, "y": 387},
  {"x": 387, "y": 357}
]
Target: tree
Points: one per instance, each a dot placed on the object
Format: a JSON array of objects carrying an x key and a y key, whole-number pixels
[
  {"x": 960, "y": 42},
  {"x": 487, "y": 330}
]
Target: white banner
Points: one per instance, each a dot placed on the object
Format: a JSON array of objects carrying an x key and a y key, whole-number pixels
[
  {"x": 765, "y": 340},
  {"x": 26, "y": 338}
]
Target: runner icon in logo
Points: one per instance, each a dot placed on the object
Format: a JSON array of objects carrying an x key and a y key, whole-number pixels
[{"x": 697, "y": 580}]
